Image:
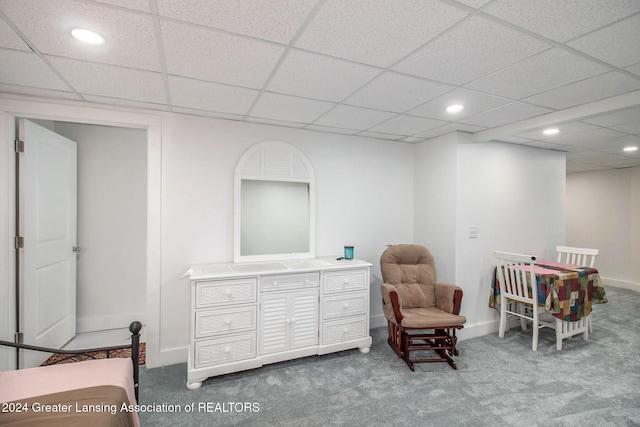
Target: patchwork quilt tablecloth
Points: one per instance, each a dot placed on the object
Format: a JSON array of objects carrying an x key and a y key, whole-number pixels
[{"x": 566, "y": 290}]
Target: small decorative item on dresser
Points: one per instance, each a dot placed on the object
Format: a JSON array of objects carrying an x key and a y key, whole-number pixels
[{"x": 348, "y": 252}]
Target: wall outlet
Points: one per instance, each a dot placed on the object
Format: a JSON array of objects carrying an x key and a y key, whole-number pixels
[{"x": 473, "y": 231}]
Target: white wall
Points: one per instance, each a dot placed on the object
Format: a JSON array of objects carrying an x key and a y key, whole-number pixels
[
  {"x": 603, "y": 212},
  {"x": 515, "y": 196},
  {"x": 364, "y": 197},
  {"x": 435, "y": 178},
  {"x": 112, "y": 218}
]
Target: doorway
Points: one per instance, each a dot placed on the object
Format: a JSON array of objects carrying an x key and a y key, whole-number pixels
[
  {"x": 111, "y": 229},
  {"x": 12, "y": 107}
]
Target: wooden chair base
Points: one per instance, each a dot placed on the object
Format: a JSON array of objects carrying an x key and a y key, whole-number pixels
[{"x": 405, "y": 340}]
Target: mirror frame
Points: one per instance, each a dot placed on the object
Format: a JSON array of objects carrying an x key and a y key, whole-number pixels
[{"x": 272, "y": 160}]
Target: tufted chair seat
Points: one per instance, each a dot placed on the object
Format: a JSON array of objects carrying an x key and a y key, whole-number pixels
[{"x": 415, "y": 303}]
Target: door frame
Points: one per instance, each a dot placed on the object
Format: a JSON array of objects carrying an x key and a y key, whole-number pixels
[{"x": 30, "y": 108}]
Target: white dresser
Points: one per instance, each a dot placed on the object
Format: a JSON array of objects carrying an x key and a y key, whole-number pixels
[{"x": 245, "y": 315}]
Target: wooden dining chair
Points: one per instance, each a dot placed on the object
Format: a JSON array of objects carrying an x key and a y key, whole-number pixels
[
  {"x": 515, "y": 274},
  {"x": 585, "y": 257}
]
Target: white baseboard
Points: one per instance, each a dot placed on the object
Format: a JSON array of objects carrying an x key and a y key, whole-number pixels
[
  {"x": 104, "y": 323},
  {"x": 469, "y": 331},
  {"x": 171, "y": 356},
  {"x": 620, "y": 284}
]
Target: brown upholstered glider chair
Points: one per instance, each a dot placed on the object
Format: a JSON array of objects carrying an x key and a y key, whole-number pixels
[{"x": 421, "y": 313}]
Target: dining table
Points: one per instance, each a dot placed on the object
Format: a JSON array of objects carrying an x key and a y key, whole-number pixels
[{"x": 567, "y": 291}]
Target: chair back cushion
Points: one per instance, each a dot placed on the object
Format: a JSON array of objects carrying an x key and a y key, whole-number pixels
[{"x": 412, "y": 270}]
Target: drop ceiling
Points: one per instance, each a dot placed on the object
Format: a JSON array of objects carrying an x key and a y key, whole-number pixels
[{"x": 377, "y": 68}]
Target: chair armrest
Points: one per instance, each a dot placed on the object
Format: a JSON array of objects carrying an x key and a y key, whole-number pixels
[
  {"x": 448, "y": 297},
  {"x": 391, "y": 303}
]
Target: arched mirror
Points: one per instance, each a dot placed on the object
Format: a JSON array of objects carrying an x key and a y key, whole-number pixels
[{"x": 274, "y": 204}]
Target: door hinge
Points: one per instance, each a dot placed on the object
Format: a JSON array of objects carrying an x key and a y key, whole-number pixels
[
  {"x": 19, "y": 242},
  {"x": 19, "y": 146},
  {"x": 19, "y": 338}
]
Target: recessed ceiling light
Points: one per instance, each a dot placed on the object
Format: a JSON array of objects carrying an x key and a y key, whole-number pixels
[
  {"x": 456, "y": 108},
  {"x": 551, "y": 131},
  {"x": 87, "y": 36},
  {"x": 631, "y": 148}
]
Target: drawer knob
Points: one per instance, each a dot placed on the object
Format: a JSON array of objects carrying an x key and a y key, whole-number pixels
[
  {"x": 345, "y": 306},
  {"x": 227, "y": 322},
  {"x": 344, "y": 331},
  {"x": 227, "y": 350}
]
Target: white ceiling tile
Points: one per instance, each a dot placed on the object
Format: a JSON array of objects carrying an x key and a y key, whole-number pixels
[
  {"x": 332, "y": 129},
  {"x": 204, "y": 113},
  {"x": 110, "y": 81},
  {"x": 615, "y": 145},
  {"x": 448, "y": 128},
  {"x": 513, "y": 139},
  {"x": 321, "y": 77},
  {"x": 504, "y": 114},
  {"x": 9, "y": 39},
  {"x": 543, "y": 144},
  {"x": 617, "y": 44},
  {"x": 635, "y": 69},
  {"x": 142, "y": 5},
  {"x": 43, "y": 93},
  {"x": 629, "y": 115},
  {"x": 589, "y": 155},
  {"x": 209, "y": 96},
  {"x": 621, "y": 163},
  {"x": 216, "y": 56},
  {"x": 544, "y": 71},
  {"x": 474, "y": 3},
  {"x": 349, "y": 117},
  {"x": 628, "y": 127},
  {"x": 275, "y": 20},
  {"x": 376, "y": 32},
  {"x": 396, "y": 92},
  {"x": 380, "y": 135},
  {"x": 564, "y": 128},
  {"x": 473, "y": 102},
  {"x": 275, "y": 122},
  {"x": 129, "y": 37},
  {"x": 584, "y": 91},
  {"x": 407, "y": 125},
  {"x": 27, "y": 69},
  {"x": 126, "y": 103},
  {"x": 562, "y": 20},
  {"x": 586, "y": 138},
  {"x": 470, "y": 50},
  {"x": 276, "y": 106}
]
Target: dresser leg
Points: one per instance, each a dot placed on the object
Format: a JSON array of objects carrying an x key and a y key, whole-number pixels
[
  {"x": 364, "y": 350},
  {"x": 194, "y": 386}
]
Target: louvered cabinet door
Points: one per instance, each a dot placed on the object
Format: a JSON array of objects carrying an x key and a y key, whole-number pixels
[
  {"x": 288, "y": 321},
  {"x": 274, "y": 321},
  {"x": 304, "y": 320}
]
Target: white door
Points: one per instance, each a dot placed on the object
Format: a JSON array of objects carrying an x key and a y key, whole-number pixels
[{"x": 47, "y": 214}]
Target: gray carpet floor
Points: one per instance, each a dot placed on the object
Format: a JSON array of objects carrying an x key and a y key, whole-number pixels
[{"x": 499, "y": 382}]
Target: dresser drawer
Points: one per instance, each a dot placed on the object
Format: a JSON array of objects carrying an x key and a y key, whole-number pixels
[
  {"x": 345, "y": 281},
  {"x": 225, "y": 350},
  {"x": 215, "y": 322},
  {"x": 340, "y": 305},
  {"x": 289, "y": 281},
  {"x": 224, "y": 292},
  {"x": 344, "y": 330}
]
